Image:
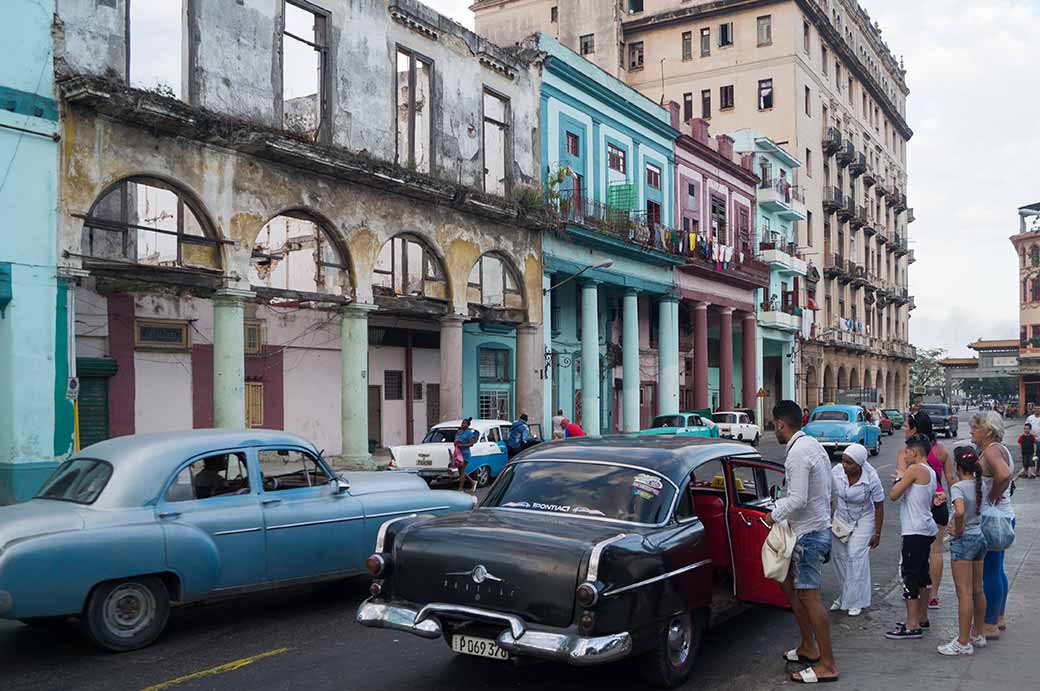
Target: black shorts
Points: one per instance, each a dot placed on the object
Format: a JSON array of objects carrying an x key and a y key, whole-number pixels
[
  {"x": 915, "y": 564},
  {"x": 941, "y": 514}
]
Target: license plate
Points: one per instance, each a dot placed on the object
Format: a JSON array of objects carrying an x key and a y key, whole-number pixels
[
  {"x": 424, "y": 461},
  {"x": 481, "y": 647}
]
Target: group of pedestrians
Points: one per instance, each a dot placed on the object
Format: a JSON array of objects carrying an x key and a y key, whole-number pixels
[{"x": 838, "y": 513}]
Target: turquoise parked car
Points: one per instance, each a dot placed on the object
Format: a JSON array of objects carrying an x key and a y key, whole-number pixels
[
  {"x": 130, "y": 526},
  {"x": 838, "y": 426},
  {"x": 683, "y": 425}
]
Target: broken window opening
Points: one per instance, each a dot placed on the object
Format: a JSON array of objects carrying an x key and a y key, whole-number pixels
[
  {"x": 496, "y": 143},
  {"x": 414, "y": 104},
  {"x": 148, "y": 221},
  {"x": 493, "y": 283},
  {"x": 304, "y": 59},
  {"x": 294, "y": 253},
  {"x": 154, "y": 51},
  {"x": 406, "y": 266}
]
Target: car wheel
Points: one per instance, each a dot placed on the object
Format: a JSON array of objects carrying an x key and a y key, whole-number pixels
[
  {"x": 482, "y": 476},
  {"x": 127, "y": 615},
  {"x": 669, "y": 662},
  {"x": 877, "y": 447},
  {"x": 758, "y": 437}
]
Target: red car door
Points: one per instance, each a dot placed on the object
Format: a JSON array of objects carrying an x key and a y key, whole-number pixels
[{"x": 749, "y": 503}]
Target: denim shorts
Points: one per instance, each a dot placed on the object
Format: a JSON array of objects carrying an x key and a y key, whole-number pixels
[
  {"x": 968, "y": 547},
  {"x": 810, "y": 552}
]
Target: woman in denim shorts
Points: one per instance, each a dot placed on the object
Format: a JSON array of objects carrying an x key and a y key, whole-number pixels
[{"x": 967, "y": 550}]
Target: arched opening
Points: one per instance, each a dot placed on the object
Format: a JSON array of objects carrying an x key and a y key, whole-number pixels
[
  {"x": 897, "y": 391},
  {"x": 843, "y": 378},
  {"x": 812, "y": 390},
  {"x": 854, "y": 379},
  {"x": 828, "y": 384},
  {"x": 296, "y": 253},
  {"x": 149, "y": 221},
  {"x": 493, "y": 282},
  {"x": 879, "y": 384},
  {"x": 407, "y": 266}
]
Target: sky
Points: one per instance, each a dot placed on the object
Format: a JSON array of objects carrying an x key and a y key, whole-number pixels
[{"x": 973, "y": 104}]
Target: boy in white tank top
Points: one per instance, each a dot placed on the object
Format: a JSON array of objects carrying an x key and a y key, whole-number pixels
[{"x": 914, "y": 490}]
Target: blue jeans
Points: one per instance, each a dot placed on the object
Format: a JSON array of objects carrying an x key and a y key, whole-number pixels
[
  {"x": 995, "y": 585},
  {"x": 810, "y": 552},
  {"x": 968, "y": 547}
]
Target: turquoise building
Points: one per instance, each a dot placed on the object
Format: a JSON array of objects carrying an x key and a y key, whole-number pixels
[
  {"x": 36, "y": 421},
  {"x": 609, "y": 265},
  {"x": 781, "y": 308}
]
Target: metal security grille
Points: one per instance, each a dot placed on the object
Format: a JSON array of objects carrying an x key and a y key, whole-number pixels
[
  {"x": 254, "y": 404},
  {"x": 393, "y": 385},
  {"x": 494, "y": 405}
]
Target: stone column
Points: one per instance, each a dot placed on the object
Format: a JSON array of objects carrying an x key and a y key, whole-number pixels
[
  {"x": 451, "y": 367},
  {"x": 750, "y": 360},
  {"x": 528, "y": 368},
  {"x": 667, "y": 358},
  {"x": 700, "y": 355},
  {"x": 353, "y": 418},
  {"x": 726, "y": 359},
  {"x": 630, "y": 378},
  {"x": 547, "y": 382},
  {"x": 590, "y": 359},
  {"x": 229, "y": 358}
]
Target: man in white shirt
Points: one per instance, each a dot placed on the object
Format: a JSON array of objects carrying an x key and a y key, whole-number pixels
[
  {"x": 807, "y": 507},
  {"x": 1033, "y": 420}
]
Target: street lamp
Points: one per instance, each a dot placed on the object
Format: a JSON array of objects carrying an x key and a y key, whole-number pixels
[{"x": 605, "y": 264}]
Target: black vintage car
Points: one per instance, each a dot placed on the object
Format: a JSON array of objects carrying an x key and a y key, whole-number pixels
[
  {"x": 944, "y": 420},
  {"x": 587, "y": 551}
]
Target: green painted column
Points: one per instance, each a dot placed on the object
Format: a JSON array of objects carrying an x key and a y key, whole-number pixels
[
  {"x": 630, "y": 377},
  {"x": 229, "y": 358},
  {"x": 354, "y": 385},
  {"x": 590, "y": 359},
  {"x": 667, "y": 358}
]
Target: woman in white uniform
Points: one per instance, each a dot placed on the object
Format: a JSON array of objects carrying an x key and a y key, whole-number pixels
[{"x": 859, "y": 501}]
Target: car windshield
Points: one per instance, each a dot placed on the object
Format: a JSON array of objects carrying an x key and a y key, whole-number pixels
[
  {"x": 590, "y": 490},
  {"x": 830, "y": 416},
  {"x": 891, "y": 413},
  {"x": 724, "y": 418},
  {"x": 441, "y": 435},
  {"x": 935, "y": 410},
  {"x": 668, "y": 421},
  {"x": 80, "y": 481}
]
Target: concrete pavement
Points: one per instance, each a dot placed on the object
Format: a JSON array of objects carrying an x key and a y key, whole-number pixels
[{"x": 307, "y": 638}]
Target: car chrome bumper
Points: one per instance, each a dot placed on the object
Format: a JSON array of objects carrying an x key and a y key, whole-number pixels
[
  {"x": 836, "y": 445},
  {"x": 516, "y": 637}
]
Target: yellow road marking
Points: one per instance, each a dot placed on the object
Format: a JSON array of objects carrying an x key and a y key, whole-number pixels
[{"x": 219, "y": 669}]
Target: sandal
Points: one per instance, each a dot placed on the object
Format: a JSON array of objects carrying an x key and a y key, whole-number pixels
[
  {"x": 793, "y": 656},
  {"x": 808, "y": 676}
]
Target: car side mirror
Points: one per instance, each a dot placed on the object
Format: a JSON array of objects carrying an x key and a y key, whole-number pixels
[{"x": 339, "y": 486}]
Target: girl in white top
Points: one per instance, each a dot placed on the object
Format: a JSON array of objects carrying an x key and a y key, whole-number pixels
[
  {"x": 987, "y": 432},
  {"x": 915, "y": 488},
  {"x": 860, "y": 503}
]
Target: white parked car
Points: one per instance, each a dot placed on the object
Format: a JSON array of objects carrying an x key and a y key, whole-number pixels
[
  {"x": 738, "y": 425},
  {"x": 429, "y": 459}
]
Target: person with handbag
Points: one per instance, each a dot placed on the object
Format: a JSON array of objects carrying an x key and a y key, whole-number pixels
[
  {"x": 998, "y": 516},
  {"x": 465, "y": 438},
  {"x": 806, "y": 505},
  {"x": 859, "y": 514},
  {"x": 914, "y": 490}
]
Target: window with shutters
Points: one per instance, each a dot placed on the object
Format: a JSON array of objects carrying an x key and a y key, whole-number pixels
[
  {"x": 254, "y": 337},
  {"x": 706, "y": 104},
  {"x": 588, "y": 44},
  {"x": 635, "y": 56},
  {"x": 393, "y": 385},
  {"x": 765, "y": 94},
  {"x": 718, "y": 218},
  {"x": 615, "y": 158},
  {"x": 254, "y": 404},
  {"x": 653, "y": 176},
  {"x": 414, "y": 110},
  {"x": 653, "y": 213},
  {"x": 573, "y": 144},
  {"x": 687, "y": 103},
  {"x": 687, "y": 45},
  {"x": 496, "y": 143},
  {"x": 725, "y": 34},
  {"x": 494, "y": 365},
  {"x": 705, "y": 42},
  {"x": 726, "y": 97}
]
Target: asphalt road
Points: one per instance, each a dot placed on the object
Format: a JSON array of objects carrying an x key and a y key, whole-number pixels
[{"x": 307, "y": 638}]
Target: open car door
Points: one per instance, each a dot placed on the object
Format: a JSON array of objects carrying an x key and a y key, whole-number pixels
[{"x": 749, "y": 503}]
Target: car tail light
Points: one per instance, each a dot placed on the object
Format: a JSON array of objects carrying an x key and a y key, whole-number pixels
[
  {"x": 376, "y": 589},
  {"x": 393, "y": 462},
  {"x": 375, "y": 564},
  {"x": 587, "y": 595},
  {"x": 587, "y": 621}
]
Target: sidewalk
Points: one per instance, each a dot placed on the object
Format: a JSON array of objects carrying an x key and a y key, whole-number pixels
[{"x": 869, "y": 661}]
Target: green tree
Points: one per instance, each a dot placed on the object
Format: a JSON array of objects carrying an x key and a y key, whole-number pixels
[
  {"x": 926, "y": 371},
  {"x": 999, "y": 388}
]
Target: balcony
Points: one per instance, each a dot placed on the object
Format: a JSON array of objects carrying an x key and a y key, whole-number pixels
[
  {"x": 834, "y": 266},
  {"x": 910, "y": 218},
  {"x": 910, "y": 259},
  {"x": 900, "y": 201},
  {"x": 900, "y": 350},
  {"x": 912, "y": 304},
  {"x": 771, "y": 316},
  {"x": 899, "y": 245},
  {"x": 833, "y": 199},
  {"x": 859, "y": 218},
  {"x": 831, "y": 141},
  {"x": 870, "y": 228},
  {"x": 858, "y": 274},
  {"x": 859, "y": 166},
  {"x": 891, "y": 195},
  {"x": 847, "y": 335},
  {"x": 882, "y": 186},
  {"x": 846, "y": 155},
  {"x": 782, "y": 198},
  {"x": 782, "y": 256},
  {"x": 869, "y": 178},
  {"x": 848, "y": 210}
]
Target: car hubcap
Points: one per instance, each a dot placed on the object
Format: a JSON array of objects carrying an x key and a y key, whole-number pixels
[
  {"x": 483, "y": 475},
  {"x": 679, "y": 637},
  {"x": 129, "y": 609}
]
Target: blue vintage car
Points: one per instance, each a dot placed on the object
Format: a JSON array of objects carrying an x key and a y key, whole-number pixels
[
  {"x": 130, "y": 526},
  {"x": 683, "y": 425},
  {"x": 837, "y": 426}
]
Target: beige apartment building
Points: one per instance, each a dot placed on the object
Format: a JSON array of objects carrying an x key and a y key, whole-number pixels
[{"x": 816, "y": 77}]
